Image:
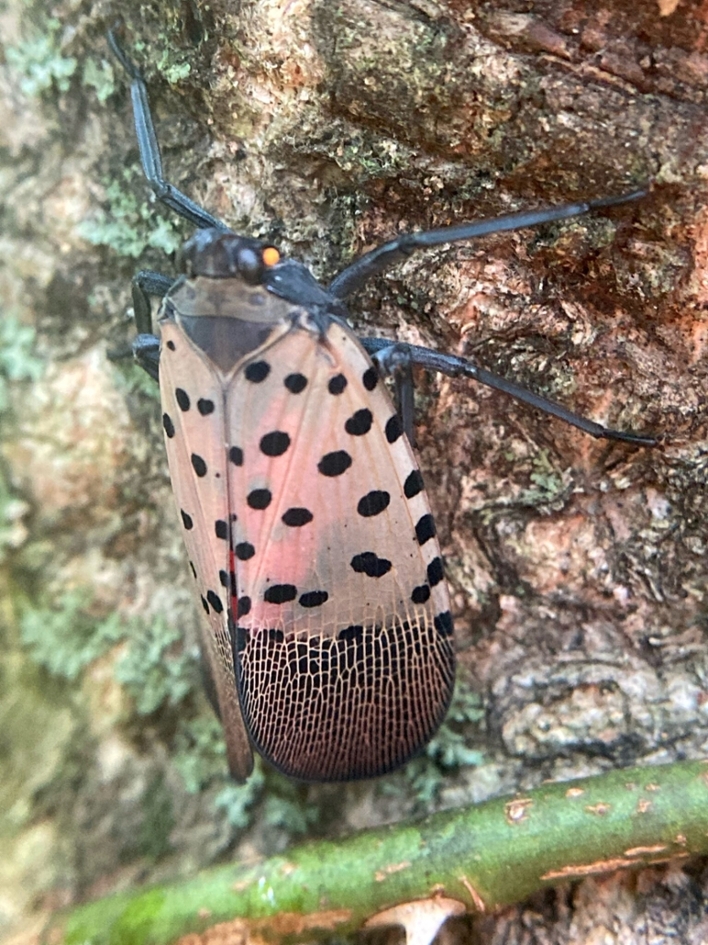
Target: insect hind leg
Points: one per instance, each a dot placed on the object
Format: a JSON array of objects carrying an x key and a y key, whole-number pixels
[
  {"x": 394, "y": 360},
  {"x": 454, "y": 366}
]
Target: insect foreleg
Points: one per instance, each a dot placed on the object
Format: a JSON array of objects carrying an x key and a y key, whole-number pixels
[
  {"x": 146, "y": 284},
  {"x": 454, "y": 366},
  {"x": 146, "y": 351},
  {"x": 150, "y": 158}
]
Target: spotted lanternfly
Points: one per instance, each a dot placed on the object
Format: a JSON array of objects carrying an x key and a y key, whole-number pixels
[{"x": 328, "y": 637}]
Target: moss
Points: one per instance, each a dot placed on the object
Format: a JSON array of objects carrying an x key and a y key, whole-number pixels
[
  {"x": 66, "y": 637},
  {"x": 132, "y": 379},
  {"x": 200, "y": 752},
  {"x": 40, "y": 63},
  {"x": 18, "y": 363}
]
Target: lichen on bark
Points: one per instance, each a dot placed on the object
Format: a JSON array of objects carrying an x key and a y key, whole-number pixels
[{"x": 577, "y": 568}]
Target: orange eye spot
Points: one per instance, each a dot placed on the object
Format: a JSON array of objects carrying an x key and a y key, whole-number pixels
[{"x": 271, "y": 256}]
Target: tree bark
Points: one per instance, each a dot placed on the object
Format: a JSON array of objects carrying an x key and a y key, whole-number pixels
[{"x": 577, "y": 567}]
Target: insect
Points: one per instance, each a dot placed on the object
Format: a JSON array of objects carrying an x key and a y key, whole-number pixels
[{"x": 328, "y": 635}]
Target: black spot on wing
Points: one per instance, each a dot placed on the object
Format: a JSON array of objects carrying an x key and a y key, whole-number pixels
[
  {"x": 171, "y": 345},
  {"x": 360, "y": 422},
  {"x": 313, "y": 598},
  {"x": 373, "y": 503},
  {"x": 337, "y": 384},
  {"x": 370, "y": 378},
  {"x": 275, "y": 443},
  {"x": 187, "y": 520},
  {"x": 215, "y": 601},
  {"x": 394, "y": 428},
  {"x": 221, "y": 529},
  {"x": 435, "y": 571},
  {"x": 244, "y": 551},
  {"x": 244, "y": 606},
  {"x": 167, "y": 425},
  {"x": 334, "y": 464},
  {"x": 295, "y": 383},
  {"x": 443, "y": 624},
  {"x": 259, "y": 498},
  {"x": 257, "y": 371},
  {"x": 425, "y": 528},
  {"x": 205, "y": 406},
  {"x": 420, "y": 594},
  {"x": 280, "y": 594},
  {"x": 236, "y": 455},
  {"x": 413, "y": 484},
  {"x": 370, "y": 564},
  {"x": 296, "y": 517},
  {"x": 198, "y": 465},
  {"x": 182, "y": 398}
]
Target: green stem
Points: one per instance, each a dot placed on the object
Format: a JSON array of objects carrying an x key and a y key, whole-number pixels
[{"x": 489, "y": 855}]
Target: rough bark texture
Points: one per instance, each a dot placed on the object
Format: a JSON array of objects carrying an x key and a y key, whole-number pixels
[{"x": 578, "y": 568}]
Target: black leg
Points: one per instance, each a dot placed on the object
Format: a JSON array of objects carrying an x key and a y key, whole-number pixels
[
  {"x": 460, "y": 367},
  {"x": 146, "y": 351},
  {"x": 145, "y": 284},
  {"x": 388, "y": 254},
  {"x": 395, "y": 361},
  {"x": 150, "y": 149},
  {"x": 146, "y": 347}
]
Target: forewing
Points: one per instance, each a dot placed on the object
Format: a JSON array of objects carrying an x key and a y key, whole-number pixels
[
  {"x": 344, "y": 647},
  {"x": 194, "y": 424}
]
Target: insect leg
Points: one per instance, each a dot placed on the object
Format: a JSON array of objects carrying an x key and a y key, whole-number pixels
[
  {"x": 395, "y": 251},
  {"x": 144, "y": 284},
  {"x": 394, "y": 360},
  {"x": 146, "y": 351},
  {"x": 147, "y": 283},
  {"x": 146, "y": 347},
  {"x": 454, "y": 366},
  {"x": 150, "y": 149}
]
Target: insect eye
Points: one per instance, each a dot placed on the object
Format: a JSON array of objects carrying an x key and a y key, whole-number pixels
[{"x": 249, "y": 264}]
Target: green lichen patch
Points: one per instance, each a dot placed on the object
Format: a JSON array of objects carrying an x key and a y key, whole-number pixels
[
  {"x": 99, "y": 76},
  {"x": 127, "y": 225},
  {"x": 40, "y": 63},
  {"x": 65, "y": 638},
  {"x": 18, "y": 358},
  {"x": 238, "y": 800},
  {"x": 156, "y": 670}
]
